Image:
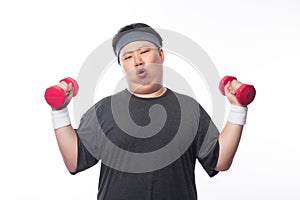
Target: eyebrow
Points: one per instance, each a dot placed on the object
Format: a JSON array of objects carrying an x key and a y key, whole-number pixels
[{"x": 142, "y": 46}]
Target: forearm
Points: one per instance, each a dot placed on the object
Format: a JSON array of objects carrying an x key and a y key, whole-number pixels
[
  {"x": 230, "y": 136},
  {"x": 228, "y": 140},
  {"x": 66, "y": 137},
  {"x": 65, "y": 134},
  {"x": 67, "y": 142}
]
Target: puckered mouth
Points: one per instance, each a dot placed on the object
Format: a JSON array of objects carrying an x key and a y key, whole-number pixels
[{"x": 141, "y": 72}]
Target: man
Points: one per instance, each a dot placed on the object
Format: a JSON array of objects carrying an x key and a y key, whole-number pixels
[{"x": 133, "y": 132}]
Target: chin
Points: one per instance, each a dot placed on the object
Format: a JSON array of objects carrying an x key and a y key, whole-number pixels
[{"x": 145, "y": 88}]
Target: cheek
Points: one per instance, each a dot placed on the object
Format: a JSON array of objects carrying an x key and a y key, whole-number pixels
[
  {"x": 126, "y": 67},
  {"x": 159, "y": 59},
  {"x": 156, "y": 74},
  {"x": 155, "y": 69},
  {"x": 129, "y": 72},
  {"x": 152, "y": 58}
]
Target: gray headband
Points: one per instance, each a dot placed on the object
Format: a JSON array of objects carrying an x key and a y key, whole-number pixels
[{"x": 136, "y": 36}]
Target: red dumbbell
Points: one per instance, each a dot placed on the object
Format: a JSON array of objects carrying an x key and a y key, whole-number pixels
[
  {"x": 245, "y": 93},
  {"x": 55, "y": 95}
]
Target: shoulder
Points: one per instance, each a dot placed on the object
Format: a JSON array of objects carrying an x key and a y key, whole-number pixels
[
  {"x": 106, "y": 101},
  {"x": 183, "y": 98},
  {"x": 102, "y": 104},
  {"x": 189, "y": 103}
]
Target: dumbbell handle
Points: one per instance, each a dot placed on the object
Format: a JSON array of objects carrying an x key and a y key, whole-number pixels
[
  {"x": 245, "y": 94},
  {"x": 55, "y": 95}
]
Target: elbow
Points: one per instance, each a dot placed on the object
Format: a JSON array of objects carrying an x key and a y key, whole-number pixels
[
  {"x": 72, "y": 169},
  {"x": 223, "y": 169},
  {"x": 223, "y": 166},
  {"x": 72, "y": 172}
]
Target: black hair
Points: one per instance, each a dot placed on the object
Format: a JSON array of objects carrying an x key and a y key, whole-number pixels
[{"x": 131, "y": 27}]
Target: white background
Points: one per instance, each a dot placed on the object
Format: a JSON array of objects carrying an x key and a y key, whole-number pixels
[{"x": 44, "y": 41}]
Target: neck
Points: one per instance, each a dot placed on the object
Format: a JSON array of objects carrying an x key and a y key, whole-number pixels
[{"x": 157, "y": 92}]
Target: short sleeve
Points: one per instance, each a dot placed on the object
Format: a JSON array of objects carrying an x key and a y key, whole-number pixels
[
  {"x": 85, "y": 159},
  {"x": 207, "y": 143},
  {"x": 88, "y": 135}
]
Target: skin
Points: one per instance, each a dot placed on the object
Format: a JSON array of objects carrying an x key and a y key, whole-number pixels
[
  {"x": 142, "y": 63},
  {"x": 142, "y": 55},
  {"x": 66, "y": 136}
]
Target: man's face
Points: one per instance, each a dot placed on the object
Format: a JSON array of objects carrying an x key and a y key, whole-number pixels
[{"x": 142, "y": 62}]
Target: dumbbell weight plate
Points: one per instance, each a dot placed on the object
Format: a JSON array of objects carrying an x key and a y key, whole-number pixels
[
  {"x": 55, "y": 96},
  {"x": 245, "y": 94}
]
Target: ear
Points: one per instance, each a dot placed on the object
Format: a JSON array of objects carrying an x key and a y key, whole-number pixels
[{"x": 161, "y": 54}]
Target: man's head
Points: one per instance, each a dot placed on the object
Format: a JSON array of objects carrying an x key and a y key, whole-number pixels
[
  {"x": 139, "y": 52},
  {"x": 135, "y": 32}
]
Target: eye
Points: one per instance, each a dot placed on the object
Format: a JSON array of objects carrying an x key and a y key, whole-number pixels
[
  {"x": 145, "y": 51},
  {"x": 127, "y": 57}
]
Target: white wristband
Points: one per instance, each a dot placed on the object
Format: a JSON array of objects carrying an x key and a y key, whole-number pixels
[
  {"x": 60, "y": 118},
  {"x": 237, "y": 115}
]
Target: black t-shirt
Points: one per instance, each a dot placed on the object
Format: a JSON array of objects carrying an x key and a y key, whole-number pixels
[{"x": 147, "y": 146}]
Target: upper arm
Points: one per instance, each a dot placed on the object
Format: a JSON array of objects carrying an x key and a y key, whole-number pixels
[
  {"x": 85, "y": 159},
  {"x": 207, "y": 143}
]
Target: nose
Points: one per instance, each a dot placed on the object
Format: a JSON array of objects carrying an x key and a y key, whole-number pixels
[{"x": 138, "y": 60}]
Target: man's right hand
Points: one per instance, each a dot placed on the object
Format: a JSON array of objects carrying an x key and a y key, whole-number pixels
[
  {"x": 69, "y": 93},
  {"x": 60, "y": 95}
]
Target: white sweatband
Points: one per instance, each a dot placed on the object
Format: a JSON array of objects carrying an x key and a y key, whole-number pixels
[
  {"x": 237, "y": 115},
  {"x": 60, "y": 118}
]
